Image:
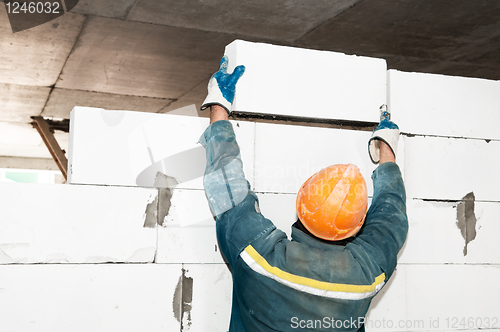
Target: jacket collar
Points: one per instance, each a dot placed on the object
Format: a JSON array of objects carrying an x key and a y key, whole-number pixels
[{"x": 300, "y": 234}]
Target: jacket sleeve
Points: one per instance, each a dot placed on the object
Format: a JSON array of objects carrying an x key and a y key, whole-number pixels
[
  {"x": 230, "y": 198},
  {"x": 386, "y": 224},
  {"x": 224, "y": 179}
]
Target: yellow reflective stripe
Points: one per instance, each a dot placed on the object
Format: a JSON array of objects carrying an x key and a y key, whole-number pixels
[{"x": 311, "y": 283}]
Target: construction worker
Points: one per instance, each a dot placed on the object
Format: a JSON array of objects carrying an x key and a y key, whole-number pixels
[{"x": 314, "y": 281}]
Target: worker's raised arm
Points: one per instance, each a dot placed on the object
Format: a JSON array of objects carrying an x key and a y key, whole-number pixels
[
  {"x": 386, "y": 154},
  {"x": 386, "y": 223},
  {"x": 218, "y": 113},
  {"x": 224, "y": 180}
]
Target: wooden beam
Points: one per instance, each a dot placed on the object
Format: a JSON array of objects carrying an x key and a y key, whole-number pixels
[{"x": 48, "y": 138}]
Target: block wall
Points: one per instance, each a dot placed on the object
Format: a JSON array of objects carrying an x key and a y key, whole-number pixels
[{"x": 130, "y": 244}]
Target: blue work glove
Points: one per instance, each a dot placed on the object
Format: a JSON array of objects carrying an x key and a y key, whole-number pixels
[
  {"x": 222, "y": 85},
  {"x": 386, "y": 131}
]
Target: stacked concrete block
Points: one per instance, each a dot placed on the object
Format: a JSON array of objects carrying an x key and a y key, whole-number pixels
[
  {"x": 83, "y": 255},
  {"x": 122, "y": 148},
  {"x": 76, "y": 224},
  {"x": 420, "y": 297},
  {"x": 76, "y": 258},
  {"x": 210, "y": 307},
  {"x": 90, "y": 297},
  {"x": 286, "y": 156},
  {"x": 307, "y": 83},
  {"x": 451, "y": 147},
  {"x": 483, "y": 249},
  {"x": 432, "y": 222},
  {"x": 187, "y": 234},
  {"x": 439, "y": 105},
  {"x": 390, "y": 304},
  {"x": 450, "y": 168},
  {"x": 469, "y": 284}
]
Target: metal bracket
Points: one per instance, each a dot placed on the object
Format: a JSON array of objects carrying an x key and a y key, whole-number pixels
[{"x": 384, "y": 113}]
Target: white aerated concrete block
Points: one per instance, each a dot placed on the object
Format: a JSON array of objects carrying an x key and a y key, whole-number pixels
[
  {"x": 211, "y": 297},
  {"x": 188, "y": 231},
  {"x": 307, "y": 83},
  {"x": 444, "y": 105},
  {"x": 76, "y": 224},
  {"x": 280, "y": 209},
  {"x": 82, "y": 298},
  {"x": 436, "y": 235},
  {"x": 287, "y": 155},
  {"x": 436, "y": 297},
  {"x": 433, "y": 236},
  {"x": 389, "y": 305},
  {"x": 453, "y": 297},
  {"x": 447, "y": 168},
  {"x": 143, "y": 149},
  {"x": 187, "y": 208},
  {"x": 191, "y": 244},
  {"x": 484, "y": 249}
]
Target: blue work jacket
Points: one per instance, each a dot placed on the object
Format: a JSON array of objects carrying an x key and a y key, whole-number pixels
[{"x": 302, "y": 283}]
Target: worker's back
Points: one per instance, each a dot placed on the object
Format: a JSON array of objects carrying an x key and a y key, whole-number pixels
[
  {"x": 282, "y": 285},
  {"x": 307, "y": 283}
]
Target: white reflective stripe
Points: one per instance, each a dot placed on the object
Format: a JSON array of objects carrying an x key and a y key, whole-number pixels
[{"x": 250, "y": 261}]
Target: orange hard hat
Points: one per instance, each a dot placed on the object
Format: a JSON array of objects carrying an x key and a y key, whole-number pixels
[{"x": 332, "y": 203}]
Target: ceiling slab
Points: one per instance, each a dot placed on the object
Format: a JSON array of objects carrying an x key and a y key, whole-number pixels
[
  {"x": 439, "y": 30},
  {"x": 283, "y": 20},
  {"x": 141, "y": 59},
  {"x": 451, "y": 68},
  {"x": 18, "y": 103},
  {"x": 62, "y": 101},
  {"x": 105, "y": 8},
  {"x": 195, "y": 97},
  {"x": 464, "y": 69},
  {"x": 36, "y": 56}
]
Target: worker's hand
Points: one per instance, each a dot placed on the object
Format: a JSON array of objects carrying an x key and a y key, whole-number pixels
[
  {"x": 222, "y": 85},
  {"x": 388, "y": 132}
]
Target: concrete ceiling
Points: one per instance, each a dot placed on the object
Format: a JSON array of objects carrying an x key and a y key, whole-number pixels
[{"x": 157, "y": 55}]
